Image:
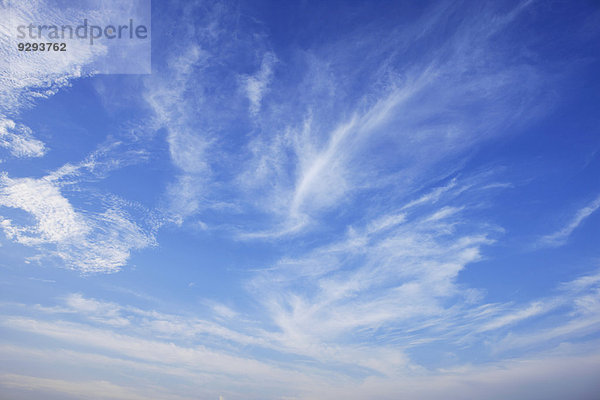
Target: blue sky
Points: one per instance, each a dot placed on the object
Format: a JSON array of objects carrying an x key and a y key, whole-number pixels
[{"x": 305, "y": 200}]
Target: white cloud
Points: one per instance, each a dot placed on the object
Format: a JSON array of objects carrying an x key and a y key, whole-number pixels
[
  {"x": 19, "y": 140},
  {"x": 576, "y": 328},
  {"x": 163, "y": 353},
  {"x": 582, "y": 283},
  {"x": 380, "y": 284},
  {"x": 256, "y": 85},
  {"x": 196, "y": 358},
  {"x": 28, "y": 76},
  {"x": 90, "y": 242},
  {"x": 540, "y": 377},
  {"x": 561, "y": 236},
  {"x": 56, "y": 219},
  {"x": 398, "y": 271},
  {"x": 534, "y": 309},
  {"x": 322, "y": 147},
  {"x": 107, "y": 313},
  {"x": 188, "y": 145}
]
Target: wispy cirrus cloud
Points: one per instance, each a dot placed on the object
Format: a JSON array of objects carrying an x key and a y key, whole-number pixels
[
  {"x": 561, "y": 236},
  {"x": 397, "y": 270},
  {"x": 312, "y": 143},
  {"x": 188, "y": 146},
  {"x": 325, "y": 147},
  {"x": 257, "y": 84}
]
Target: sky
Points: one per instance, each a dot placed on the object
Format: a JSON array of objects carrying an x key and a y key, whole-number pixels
[{"x": 303, "y": 200}]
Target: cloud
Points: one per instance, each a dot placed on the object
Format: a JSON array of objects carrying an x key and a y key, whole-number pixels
[
  {"x": 195, "y": 98},
  {"x": 387, "y": 124},
  {"x": 535, "y": 309},
  {"x": 541, "y": 377},
  {"x": 56, "y": 225},
  {"x": 104, "y": 312},
  {"x": 576, "y": 328},
  {"x": 187, "y": 146},
  {"x": 327, "y": 135},
  {"x": 256, "y": 85},
  {"x": 179, "y": 355},
  {"x": 57, "y": 221},
  {"x": 197, "y": 358},
  {"x": 396, "y": 271},
  {"x": 561, "y": 236},
  {"x": 29, "y": 76},
  {"x": 89, "y": 242},
  {"x": 393, "y": 279},
  {"x": 19, "y": 140},
  {"x": 351, "y": 141},
  {"x": 26, "y": 77}
]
